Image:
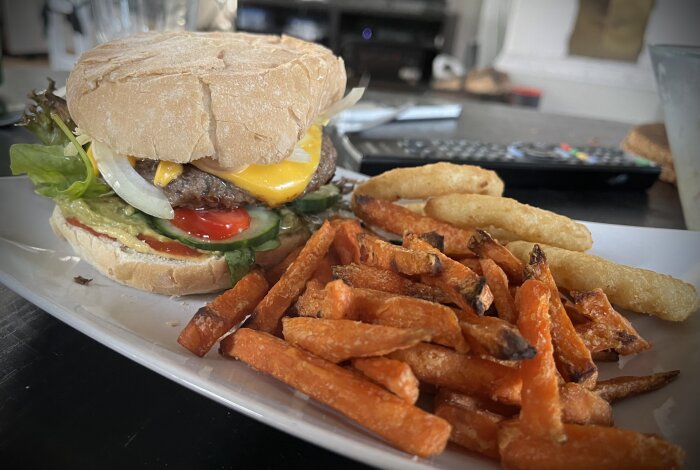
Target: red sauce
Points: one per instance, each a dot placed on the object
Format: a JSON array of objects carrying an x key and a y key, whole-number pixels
[
  {"x": 172, "y": 247},
  {"x": 77, "y": 223}
]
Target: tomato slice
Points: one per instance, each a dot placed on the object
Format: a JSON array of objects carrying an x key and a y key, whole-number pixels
[
  {"x": 212, "y": 224},
  {"x": 171, "y": 246}
]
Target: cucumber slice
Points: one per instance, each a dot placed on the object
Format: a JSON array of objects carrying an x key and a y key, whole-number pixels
[
  {"x": 317, "y": 201},
  {"x": 268, "y": 245},
  {"x": 264, "y": 226}
]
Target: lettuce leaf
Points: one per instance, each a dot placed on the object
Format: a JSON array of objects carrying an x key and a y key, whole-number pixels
[
  {"x": 239, "y": 263},
  {"x": 54, "y": 174},
  {"x": 37, "y": 116}
]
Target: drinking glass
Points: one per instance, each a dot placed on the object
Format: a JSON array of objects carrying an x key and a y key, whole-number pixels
[
  {"x": 117, "y": 18},
  {"x": 677, "y": 71}
]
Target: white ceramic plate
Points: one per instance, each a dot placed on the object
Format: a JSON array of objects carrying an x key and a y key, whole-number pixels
[{"x": 144, "y": 327}]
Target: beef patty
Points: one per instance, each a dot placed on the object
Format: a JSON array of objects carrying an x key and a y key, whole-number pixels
[{"x": 195, "y": 188}]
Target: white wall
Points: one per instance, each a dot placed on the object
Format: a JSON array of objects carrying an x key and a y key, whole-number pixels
[
  {"x": 466, "y": 28},
  {"x": 493, "y": 22},
  {"x": 535, "y": 53}
]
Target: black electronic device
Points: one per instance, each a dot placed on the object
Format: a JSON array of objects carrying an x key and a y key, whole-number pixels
[{"x": 520, "y": 165}]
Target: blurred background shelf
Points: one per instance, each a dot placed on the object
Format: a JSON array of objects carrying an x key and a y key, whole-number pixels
[{"x": 392, "y": 41}]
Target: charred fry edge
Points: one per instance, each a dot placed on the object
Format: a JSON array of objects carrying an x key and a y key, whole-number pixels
[
  {"x": 573, "y": 358},
  {"x": 379, "y": 253},
  {"x": 628, "y": 386},
  {"x": 483, "y": 244},
  {"x": 471, "y": 291}
]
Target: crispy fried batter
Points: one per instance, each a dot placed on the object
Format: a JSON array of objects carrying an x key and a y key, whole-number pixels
[
  {"x": 526, "y": 222},
  {"x": 634, "y": 289}
]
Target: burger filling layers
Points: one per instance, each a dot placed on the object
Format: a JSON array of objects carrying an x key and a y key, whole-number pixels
[
  {"x": 204, "y": 186},
  {"x": 176, "y": 211}
]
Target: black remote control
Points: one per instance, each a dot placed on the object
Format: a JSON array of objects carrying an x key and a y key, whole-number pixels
[{"x": 521, "y": 164}]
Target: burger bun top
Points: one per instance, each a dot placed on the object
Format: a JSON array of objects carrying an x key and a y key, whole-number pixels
[{"x": 179, "y": 96}]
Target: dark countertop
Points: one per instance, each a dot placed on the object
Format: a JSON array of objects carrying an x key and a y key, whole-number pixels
[{"x": 69, "y": 401}]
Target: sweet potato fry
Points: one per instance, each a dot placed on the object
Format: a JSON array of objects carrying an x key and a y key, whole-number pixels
[
  {"x": 494, "y": 337},
  {"x": 498, "y": 283},
  {"x": 345, "y": 245},
  {"x": 602, "y": 337},
  {"x": 369, "y": 277},
  {"x": 275, "y": 273},
  {"x": 338, "y": 302},
  {"x": 608, "y": 329},
  {"x": 324, "y": 270},
  {"x": 395, "y": 376},
  {"x": 483, "y": 244},
  {"x": 582, "y": 406},
  {"x": 382, "y": 308},
  {"x": 341, "y": 301},
  {"x": 309, "y": 303},
  {"x": 473, "y": 264},
  {"x": 409, "y": 312},
  {"x": 340, "y": 340},
  {"x": 587, "y": 447},
  {"x": 397, "y": 219},
  {"x": 443, "y": 367},
  {"x": 578, "y": 405},
  {"x": 405, "y": 426},
  {"x": 335, "y": 300},
  {"x": 381, "y": 254},
  {"x": 629, "y": 386},
  {"x": 607, "y": 355},
  {"x": 571, "y": 354},
  {"x": 473, "y": 427},
  {"x": 226, "y": 311},
  {"x": 540, "y": 411},
  {"x": 461, "y": 400},
  {"x": 594, "y": 305},
  {"x": 571, "y": 310},
  {"x": 269, "y": 311},
  {"x": 462, "y": 285}
]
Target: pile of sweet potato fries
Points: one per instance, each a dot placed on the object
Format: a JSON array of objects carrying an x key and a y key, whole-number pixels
[{"x": 365, "y": 326}]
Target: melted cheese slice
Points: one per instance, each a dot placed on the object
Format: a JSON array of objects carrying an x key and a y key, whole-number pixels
[
  {"x": 166, "y": 172},
  {"x": 274, "y": 184},
  {"x": 91, "y": 157}
]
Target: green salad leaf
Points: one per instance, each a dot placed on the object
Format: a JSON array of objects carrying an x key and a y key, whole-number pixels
[
  {"x": 37, "y": 116},
  {"x": 239, "y": 263},
  {"x": 54, "y": 174}
]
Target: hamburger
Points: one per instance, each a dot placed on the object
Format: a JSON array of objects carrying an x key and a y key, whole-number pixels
[{"x": 180, "y": 160}]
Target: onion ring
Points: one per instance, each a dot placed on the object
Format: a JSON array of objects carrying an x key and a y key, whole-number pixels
[
  {"x": 525, "y": 222},
  {"x": 635, "y": 289},
  {"x": 431, "y": 180}
]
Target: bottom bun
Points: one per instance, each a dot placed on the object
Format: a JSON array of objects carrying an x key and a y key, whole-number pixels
[
  {"x": 155, "y": 273},
  {"x": 144, "y": 271},
  {"x": 159, "y": 274}
]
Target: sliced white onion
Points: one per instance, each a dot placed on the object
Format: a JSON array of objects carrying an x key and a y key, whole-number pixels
[
  {"x": 129, "y": 185},
  {"x": 212, "y": 166},
  {"x": 347, "y": 102},
  {"x": 299, "y": 155},
  {"x": 70, "y": 151}
]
